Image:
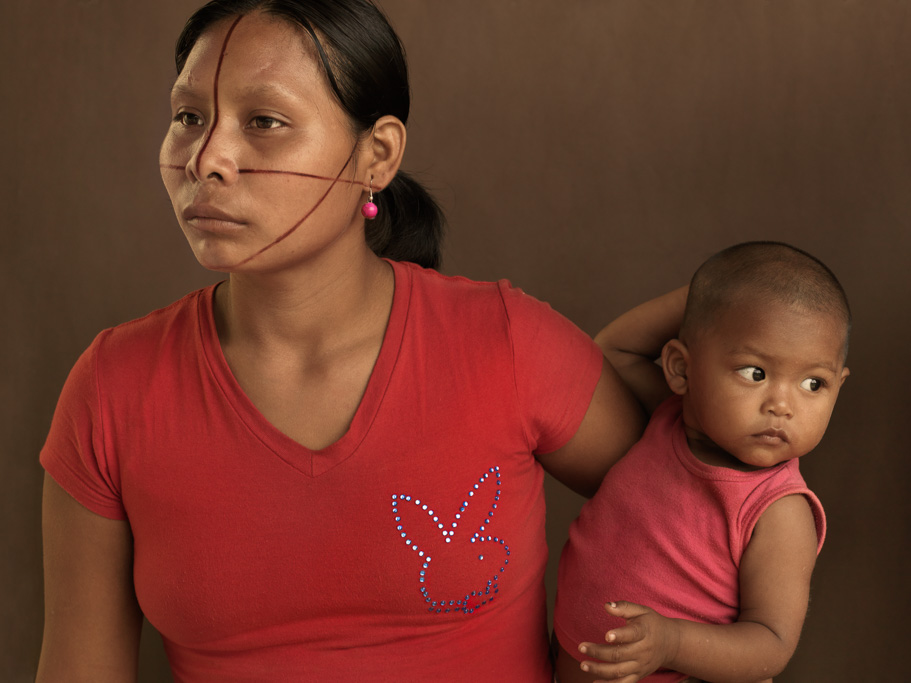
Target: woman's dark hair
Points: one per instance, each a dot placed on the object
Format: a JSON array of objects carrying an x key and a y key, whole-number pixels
[{"x": 365, "y": 66}]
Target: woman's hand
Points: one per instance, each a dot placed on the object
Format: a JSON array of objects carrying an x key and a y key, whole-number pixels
[{"x": 640, "y": 647}]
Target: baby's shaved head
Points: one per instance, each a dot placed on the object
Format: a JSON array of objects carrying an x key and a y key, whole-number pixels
[{"x": 753, "y": 273}]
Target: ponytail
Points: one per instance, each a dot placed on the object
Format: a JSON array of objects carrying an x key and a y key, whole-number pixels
[{"x": 409, "y": 225}]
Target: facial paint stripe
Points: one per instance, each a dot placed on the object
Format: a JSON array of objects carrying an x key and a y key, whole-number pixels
[
  {"x": 294, "y": 227},
  {"x": 306, "y": 175},
  {"x": 221, "y": 58},
  {"x": 300, "y": 174}
]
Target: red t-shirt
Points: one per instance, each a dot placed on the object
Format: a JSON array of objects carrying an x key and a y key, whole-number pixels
[{"x": 411, "y": 549}]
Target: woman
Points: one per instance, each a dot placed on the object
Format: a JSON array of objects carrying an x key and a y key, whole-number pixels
[{"x": 329, "y": 466}]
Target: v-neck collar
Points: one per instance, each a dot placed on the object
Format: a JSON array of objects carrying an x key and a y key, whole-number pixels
[{"x": 311, "y": 462}]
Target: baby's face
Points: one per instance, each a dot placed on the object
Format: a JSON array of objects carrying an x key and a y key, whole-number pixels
[{"x": 761, "y": 384}]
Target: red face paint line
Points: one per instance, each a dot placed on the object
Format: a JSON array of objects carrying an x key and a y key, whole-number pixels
[
  {"x": 221, "y": 59},
  {"x": 294, "y": 227},
  {"x": 209, "y": 133}
]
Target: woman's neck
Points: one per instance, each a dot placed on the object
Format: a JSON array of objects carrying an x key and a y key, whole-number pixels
[{"x": 308, "y": 310}]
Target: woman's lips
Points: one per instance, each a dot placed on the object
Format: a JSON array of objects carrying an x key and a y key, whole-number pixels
[{"x": 208, "y": 217}]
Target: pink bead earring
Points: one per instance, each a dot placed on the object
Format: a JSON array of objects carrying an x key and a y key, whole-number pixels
[{"x": 369, "y": 210}]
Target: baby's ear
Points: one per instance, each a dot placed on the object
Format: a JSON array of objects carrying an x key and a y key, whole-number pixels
[{"x": 675, "y": 358}]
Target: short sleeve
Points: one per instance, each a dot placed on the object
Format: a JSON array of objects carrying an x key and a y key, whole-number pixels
[
  {"x": 557, "y": 367},
  {"x": 786, "y": 481},
  {"x": 75, "y": 453}
]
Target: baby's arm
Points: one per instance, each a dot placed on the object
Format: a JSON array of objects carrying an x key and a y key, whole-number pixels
[
  {"x": 774, "y": 582},
  {"x": 633, "y": 342}
]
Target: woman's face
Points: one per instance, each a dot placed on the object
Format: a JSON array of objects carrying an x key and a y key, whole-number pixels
[{"x": 260, "y": 160}]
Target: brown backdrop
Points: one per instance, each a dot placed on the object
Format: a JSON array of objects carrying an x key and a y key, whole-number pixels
[{"x": 592, "y": 151}]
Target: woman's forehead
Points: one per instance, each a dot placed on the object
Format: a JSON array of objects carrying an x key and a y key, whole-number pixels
[{"x": 252, "y": 51}]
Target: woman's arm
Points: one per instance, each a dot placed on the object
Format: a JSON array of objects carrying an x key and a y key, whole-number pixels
[
  {"x": 633, "y": 342},
  {"x": 92, "y": 621},
  {"x": 612, "y": 424},
  {"x": 774, "y": 582}
]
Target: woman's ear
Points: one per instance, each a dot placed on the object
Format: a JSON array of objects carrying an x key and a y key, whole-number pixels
[
  {"x": 675, "y": 358},
  {"x": 383, "y": 151}
]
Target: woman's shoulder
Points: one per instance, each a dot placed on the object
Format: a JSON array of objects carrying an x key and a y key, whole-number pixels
[
  {"x": 144, "y": 336},
  {"x": 463, "y": 292}
]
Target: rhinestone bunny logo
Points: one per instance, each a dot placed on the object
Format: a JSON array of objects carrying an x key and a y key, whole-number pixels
[{"x": 460, "y": 559}]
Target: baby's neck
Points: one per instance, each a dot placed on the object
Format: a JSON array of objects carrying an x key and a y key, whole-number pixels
[{"x": 708, "y": 452}]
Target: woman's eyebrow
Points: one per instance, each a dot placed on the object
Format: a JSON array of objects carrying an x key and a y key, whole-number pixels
[
  {"x": 252, "y": 91},
  {"x": 266, "y": 89},
  {"x": 184, "y": 90}
]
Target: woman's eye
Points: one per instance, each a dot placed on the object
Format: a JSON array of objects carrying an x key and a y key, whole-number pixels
[
  {"x": 812, "y": 384},
  {"x": 752, "y": 373},
  {"x": 188, "y": 119},
  {"x": 266, "y": 122}
]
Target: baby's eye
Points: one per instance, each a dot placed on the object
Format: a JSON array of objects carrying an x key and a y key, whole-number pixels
[
  {"x": 265, "y": 122},
  {"x": 812, "y": 384},
  {"x": 752, "y": 373},
  {"x": 188, "y": 119}
]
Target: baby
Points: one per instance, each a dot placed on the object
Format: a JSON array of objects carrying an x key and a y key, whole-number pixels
[{"x": 706, "y": 530}]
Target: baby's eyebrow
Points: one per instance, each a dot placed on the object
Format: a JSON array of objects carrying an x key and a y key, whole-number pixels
[
  {"x": 760, "y": 356},
  {"x": 823, "y": 365}
]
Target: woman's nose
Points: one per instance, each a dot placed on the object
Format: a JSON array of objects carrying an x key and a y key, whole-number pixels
[{"x": 215, "y": 157}]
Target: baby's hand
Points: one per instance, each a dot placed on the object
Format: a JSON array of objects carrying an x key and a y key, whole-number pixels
[{"x": 634, "y": 650}]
